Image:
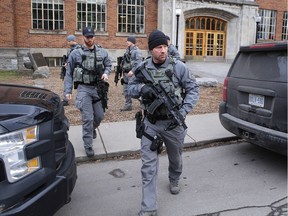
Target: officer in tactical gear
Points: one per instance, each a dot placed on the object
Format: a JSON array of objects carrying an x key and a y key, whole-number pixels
[
  {"x": 161, "y": 119},
  {"x": 71, "y": 41},
  {"x": 131, "y": 59},
  {"x": 172, "y": 50},
  {"x": 87, "y": 67}
]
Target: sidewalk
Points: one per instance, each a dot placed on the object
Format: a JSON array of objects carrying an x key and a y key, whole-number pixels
[{"x": 119, "y": 138}]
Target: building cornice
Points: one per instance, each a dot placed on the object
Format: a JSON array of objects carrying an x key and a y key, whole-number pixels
[{"x": 230, "y": 2}]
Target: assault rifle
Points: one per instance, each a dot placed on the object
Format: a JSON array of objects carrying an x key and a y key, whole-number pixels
[
  {"x": 118, "y": 71},
  {"x": 63, "y": 68},
  {"x": 103, "y": 87},
  {"x": 164, "y": 97},
  {"x": 102, "y": 90}
]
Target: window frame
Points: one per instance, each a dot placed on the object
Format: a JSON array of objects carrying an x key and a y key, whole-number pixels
[
  {"x": 131, "y": 16},
  {"x": 284, "y": 35},
  {"x": 47, "y": 15},
  {"x": 267, "y": 26},
  {"x": 91, "y": 13},
  {"x": 205, "y": 23}
]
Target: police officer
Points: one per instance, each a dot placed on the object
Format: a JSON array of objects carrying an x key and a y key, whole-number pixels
[
  {"x": 179, "y": 82},
  {"x": 172, "y": 50},
  {"x": 71, "y": 41},
  {"x": 86, "y": 66},
  {"x": 131, "y": 59}
]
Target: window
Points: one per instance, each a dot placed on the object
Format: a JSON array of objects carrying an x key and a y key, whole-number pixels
[
  {"x": 54, "y": 62},
  {"x": 91, "y": 13},
  {"x": 267, "y": 25},
  {"x": 205, "y": 23},
  {"x": 285, "y": 26},
  {"x": 131, "y": 16},
  {"x": 47, "y": 14}
]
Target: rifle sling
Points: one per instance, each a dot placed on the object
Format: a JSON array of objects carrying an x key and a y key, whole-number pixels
[{"x": 148, "y": 136}]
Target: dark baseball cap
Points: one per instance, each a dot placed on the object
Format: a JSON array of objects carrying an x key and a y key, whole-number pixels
[{"x": 88, "y": 32}]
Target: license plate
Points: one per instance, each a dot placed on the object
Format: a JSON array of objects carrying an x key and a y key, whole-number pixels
[{"x": 256, "y": 100}]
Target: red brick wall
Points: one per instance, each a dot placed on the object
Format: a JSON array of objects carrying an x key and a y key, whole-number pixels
[
  {"x": 7, "y": 34},
  {"x": 280, "y": 6},
  {"x": 15, "y": 26}
]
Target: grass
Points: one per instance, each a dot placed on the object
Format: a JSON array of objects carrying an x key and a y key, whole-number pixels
[
  {"x": 6, "y": 75},
  {"x": 11, "y": 75}
]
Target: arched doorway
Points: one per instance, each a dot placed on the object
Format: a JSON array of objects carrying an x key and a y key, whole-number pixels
[{"x": 205, "y": 38}]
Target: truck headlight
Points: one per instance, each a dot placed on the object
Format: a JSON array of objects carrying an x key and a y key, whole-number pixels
[{"x": 12, "y": 152}]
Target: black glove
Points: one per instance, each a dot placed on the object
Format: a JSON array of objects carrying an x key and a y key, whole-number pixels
[{"x": 147, "y": 92}]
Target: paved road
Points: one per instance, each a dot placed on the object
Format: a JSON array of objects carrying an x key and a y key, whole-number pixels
[{"x": 231, "y": 180}]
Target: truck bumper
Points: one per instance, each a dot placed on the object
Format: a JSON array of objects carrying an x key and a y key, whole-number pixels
[{"x": 267, "y": 138}]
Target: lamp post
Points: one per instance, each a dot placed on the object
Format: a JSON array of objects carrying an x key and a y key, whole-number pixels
[
  {"x": 258, "y": 20},
  {"x": 178, "y": 12}
]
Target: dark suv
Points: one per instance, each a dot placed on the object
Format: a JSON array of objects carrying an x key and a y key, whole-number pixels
[
  {"x": 37, "y": 161},
  {"x": 254, "y": 103}
]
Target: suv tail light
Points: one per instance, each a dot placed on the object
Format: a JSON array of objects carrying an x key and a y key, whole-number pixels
[
  {"x": 261, "y": 45},
  {"x": 224, "y": 94}
]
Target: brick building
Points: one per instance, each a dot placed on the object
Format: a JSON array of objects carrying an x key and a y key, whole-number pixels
[
  {"x": 274, "y": 16},
  {"x": 24, "y": 30},
  {"x": 202, "y": 29}
]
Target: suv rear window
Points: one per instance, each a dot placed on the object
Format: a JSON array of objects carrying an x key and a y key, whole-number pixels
[{"x": 270, "y": 66}]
